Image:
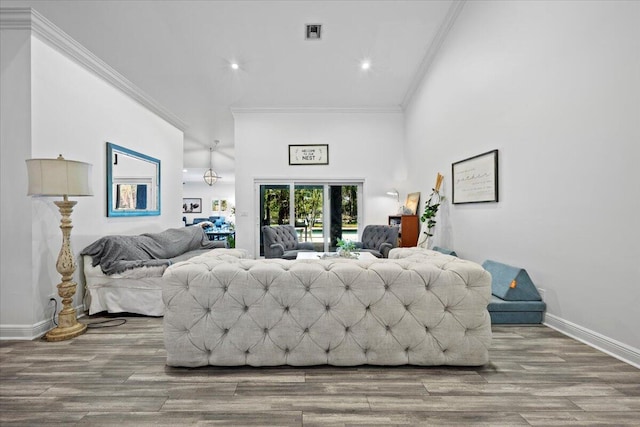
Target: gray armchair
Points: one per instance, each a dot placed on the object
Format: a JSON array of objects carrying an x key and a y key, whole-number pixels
[
  {"x": 281, "y": 241},
  {"x": 378, "y": 240}
]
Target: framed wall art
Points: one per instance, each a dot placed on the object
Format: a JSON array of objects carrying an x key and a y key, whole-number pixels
[
  {"x": 412, "y": 202},
  {"x": 308, "y": 154},
  {"x": 475, "y": 180},
  {"x": 191, "y": 205}
]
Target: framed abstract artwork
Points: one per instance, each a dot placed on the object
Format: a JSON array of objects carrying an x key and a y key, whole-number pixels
[
  {"x": 412, "y": 202},
  {"x": 191, "y": 205}
]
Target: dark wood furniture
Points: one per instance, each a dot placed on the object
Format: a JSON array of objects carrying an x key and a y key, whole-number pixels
[{"x": 409, "y": 229}]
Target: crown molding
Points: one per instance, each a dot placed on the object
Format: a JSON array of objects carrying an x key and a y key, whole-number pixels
[
  {"x": 45, "y": 30},
  {"x": 315, "y": 110},
  {"x": 432, "y": 50},
  {"x": 15, "y": 18}
]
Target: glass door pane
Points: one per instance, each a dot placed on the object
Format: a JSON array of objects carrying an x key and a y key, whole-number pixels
[
  {"x": 274, "y": 207},
  {"x": 309, "y": 214},
  {"x": 344, "y": 214},
  {"x": 321, "y": 212}
]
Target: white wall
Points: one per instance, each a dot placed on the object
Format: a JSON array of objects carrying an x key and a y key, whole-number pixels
[
  {"x": 73, "y": 112},
  {"x": 361, "y": 145},
  {"x": 16, "y": 284},
  {"x": 555, "y": 86}
]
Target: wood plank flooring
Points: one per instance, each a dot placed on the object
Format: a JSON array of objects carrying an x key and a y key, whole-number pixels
[{"x": 117, "y": 376}]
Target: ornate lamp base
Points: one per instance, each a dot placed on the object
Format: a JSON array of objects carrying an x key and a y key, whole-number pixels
[
  {"x": 66, "y": 332},
  {"x": 68, "y": 325}
]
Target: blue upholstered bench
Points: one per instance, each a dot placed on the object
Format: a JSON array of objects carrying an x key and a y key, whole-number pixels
[
  {"x": 445, "y": 251},
  {"x": 515, "y": 299},
  {"x": 515, "y": 312}
]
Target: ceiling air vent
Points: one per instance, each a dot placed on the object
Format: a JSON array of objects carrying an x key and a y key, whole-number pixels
[{"x": 313, "y": 32}]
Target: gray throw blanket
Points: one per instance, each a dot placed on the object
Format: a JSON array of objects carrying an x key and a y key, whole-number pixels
[{"x": 116, "y": 254}]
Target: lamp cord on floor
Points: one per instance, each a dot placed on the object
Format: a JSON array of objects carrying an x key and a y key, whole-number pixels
[
  {"x": 55, "y": 310},
  {"x": 93, "y": 325},
  {"x": 100, "y": 324}
]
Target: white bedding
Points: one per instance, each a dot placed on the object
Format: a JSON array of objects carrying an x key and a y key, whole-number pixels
[{"x": 138, "y": 290}]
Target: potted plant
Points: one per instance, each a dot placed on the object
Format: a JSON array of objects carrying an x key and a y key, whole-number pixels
[
  {"x": 347, "y": 249},
  {"x": 431, "y": 210}
]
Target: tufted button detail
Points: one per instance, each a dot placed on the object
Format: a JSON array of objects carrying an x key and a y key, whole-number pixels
[{"x": 394, "y": 335}]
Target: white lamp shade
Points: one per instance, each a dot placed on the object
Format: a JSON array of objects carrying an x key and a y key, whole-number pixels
[{"x": 59, "y": 177}]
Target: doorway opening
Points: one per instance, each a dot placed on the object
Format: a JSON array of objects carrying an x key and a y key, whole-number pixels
[{"x": 321, "y": 212}]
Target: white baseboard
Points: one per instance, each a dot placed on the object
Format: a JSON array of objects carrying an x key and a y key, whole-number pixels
[
  {"x": 30, "y": 332},
  {"x": 598, "y": 341}
]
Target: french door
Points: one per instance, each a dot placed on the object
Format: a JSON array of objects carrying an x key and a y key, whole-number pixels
[{"x": 321, "y": 212}]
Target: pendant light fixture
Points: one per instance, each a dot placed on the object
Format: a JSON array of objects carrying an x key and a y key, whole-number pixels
[{"x": 210, "y": 176}]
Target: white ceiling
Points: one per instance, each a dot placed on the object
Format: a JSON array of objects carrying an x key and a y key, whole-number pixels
[{"x": 179, "y": 53}]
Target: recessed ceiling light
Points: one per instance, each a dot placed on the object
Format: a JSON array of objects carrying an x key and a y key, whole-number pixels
[
  {"x": 234, "y": 65},
  {"x": 184, "y": 170},
  {"x": 365, "y": 65}
]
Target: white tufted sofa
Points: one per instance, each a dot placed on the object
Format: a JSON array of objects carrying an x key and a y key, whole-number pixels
[{"x": 420, "y": 307}]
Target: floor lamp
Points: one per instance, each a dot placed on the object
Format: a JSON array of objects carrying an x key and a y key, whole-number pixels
[
  {"x": 395, "y": 193},
  {"x": 60, "y": 177}
]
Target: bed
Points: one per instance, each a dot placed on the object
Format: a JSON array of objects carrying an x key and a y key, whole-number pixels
[{"x": 124, "y": 273}]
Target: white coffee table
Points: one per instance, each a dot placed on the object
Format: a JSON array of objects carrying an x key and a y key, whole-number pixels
[{"x": 331, "y": 255}]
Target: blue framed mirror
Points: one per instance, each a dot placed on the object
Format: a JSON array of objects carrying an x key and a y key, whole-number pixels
[{"x": 133, "y": 183}]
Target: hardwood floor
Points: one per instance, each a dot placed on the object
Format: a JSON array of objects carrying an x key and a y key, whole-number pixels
[{"x": 117, "y": 376}]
